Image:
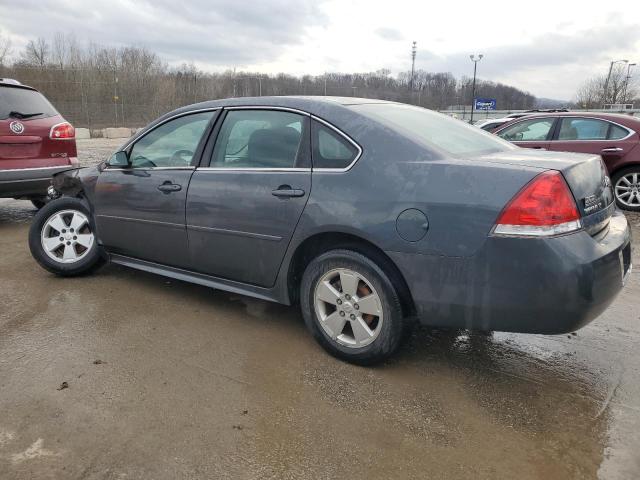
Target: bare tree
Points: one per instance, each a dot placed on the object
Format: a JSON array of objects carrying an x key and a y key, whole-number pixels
[
  {"x": 595, "y": 92},
  {"x": 36, "y": 52},
  {"x": 614, "y": 87},
  {"x": 591, "y": 93},
  {"x": 5, "y": 49},
  {"x": 60, "y": 50}
]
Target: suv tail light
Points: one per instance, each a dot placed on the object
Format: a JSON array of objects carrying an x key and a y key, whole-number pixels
[
  {"x": 62, "y": 131},
  {"x": 544, "y": 207}
]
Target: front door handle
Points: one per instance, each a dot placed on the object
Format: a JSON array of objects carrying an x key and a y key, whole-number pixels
[
  {"x": 612, "y": 150},
  {"x": 285, "y": 191},
  {"x": 539, "y": 148},
  {"x": 168, "y": 187}
]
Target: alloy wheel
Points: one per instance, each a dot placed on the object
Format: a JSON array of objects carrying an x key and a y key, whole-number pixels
[
  {"x": 66, "y": 236},
  {"x": 348, "y": 307},
  {"x": 627, "y": 189}
]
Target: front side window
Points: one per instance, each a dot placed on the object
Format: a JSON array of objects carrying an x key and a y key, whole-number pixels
[
  {"x": 528, "y": 130},
  {"x": 330, "y": 149},
  {"x": 172, "y": 144},
  {"x": 583, "y": 129},
  {"x": 259, "y": 139}
]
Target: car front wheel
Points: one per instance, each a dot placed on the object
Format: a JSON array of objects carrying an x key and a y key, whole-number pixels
[
  {"x": 62, "y": 239},
  {"x": 351, "y": 307},
  {"x": 626, "y": 187}
]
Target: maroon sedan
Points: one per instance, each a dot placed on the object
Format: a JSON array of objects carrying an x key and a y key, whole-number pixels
[
  {"x": 35, "y": 142},
  {"x": 615, "y": 137}
]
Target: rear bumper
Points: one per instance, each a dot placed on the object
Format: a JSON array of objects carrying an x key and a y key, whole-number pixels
[
  {"x": 28, "y": 182},
  {"x": 552, "y": 285}
]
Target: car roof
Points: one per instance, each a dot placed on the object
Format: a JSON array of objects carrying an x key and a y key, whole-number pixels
[
  {"x": 9, "y": 82},
  {"x": 311, "y": 104},
  {"x": 605, "y": 116}
]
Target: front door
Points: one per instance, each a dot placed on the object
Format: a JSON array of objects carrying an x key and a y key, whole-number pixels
[
  {"x": 140, "y": 206},
  {"x": 243, "y": 208}
]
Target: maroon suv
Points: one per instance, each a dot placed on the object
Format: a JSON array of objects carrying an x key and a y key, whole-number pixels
[
  {"x": 35, "y": 143},
  {"x": 614, "y": 137}
]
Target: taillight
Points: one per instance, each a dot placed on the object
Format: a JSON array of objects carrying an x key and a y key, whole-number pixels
[
  {"x": 62, "y": 131},
  {"x": 545, "y": 206}
]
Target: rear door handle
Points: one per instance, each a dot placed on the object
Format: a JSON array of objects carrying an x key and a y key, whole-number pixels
[
  {"x": 168, "y": 187},
  {"x": 285, "y": 191},
  {"x": 612, "y": 150}
]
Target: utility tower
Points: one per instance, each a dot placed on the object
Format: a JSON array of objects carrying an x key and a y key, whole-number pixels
[{"x": 413, "y": 64}]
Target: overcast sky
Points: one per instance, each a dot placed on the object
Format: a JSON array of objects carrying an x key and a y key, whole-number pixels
[{"x": 545, "y": 47}]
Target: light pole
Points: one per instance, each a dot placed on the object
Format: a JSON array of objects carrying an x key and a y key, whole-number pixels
[
  {"x": 626, "y": 82},
  {"x": 606, "y": 84},
  {"x": 475, "y": 61}
]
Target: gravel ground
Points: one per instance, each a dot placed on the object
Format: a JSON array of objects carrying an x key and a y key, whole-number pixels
[
  {"x": 125, "y": 374},
  {"x": 96, "y": 150}
]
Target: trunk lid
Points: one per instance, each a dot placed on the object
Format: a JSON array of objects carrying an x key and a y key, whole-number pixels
[{"x": 585, "y": 174}]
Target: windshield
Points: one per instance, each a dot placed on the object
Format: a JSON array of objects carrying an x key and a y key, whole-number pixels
[
  {"x": 24, "y": 101},
  {"x": 434, "y": 130}
]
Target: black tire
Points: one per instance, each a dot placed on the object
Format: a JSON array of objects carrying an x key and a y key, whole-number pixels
[
  {"x": 614, "y": 180},
  {"x": 392, "y": 329},
  {"x": 39, "y": 202},
  {"x": 91, "y": 258}
]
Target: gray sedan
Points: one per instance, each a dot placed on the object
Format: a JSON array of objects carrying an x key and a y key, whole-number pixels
[{"x": 370, "y": 215}]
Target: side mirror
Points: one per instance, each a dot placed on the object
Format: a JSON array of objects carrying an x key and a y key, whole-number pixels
[{"x": 119, "y": 159}]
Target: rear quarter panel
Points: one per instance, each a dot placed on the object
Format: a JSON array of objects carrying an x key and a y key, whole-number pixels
[{"x": 461, "y": 198}]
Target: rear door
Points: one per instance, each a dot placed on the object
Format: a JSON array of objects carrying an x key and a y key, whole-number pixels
[
  {"x": 530, "y": 133},
  {"x": 593, "y": 135},
  {"x": 244, "y": 204},
  {"x": 140, "y": 207},
  {"x": 26, "y": 119}
]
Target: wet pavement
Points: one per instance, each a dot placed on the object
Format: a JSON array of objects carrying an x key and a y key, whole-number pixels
[{"x": 167, "y": 380}]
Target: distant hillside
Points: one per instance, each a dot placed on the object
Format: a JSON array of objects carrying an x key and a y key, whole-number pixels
[{"x": 551, "y": 103}]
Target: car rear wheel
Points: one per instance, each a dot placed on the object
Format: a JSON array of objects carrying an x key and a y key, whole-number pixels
[
  {"x": 626, "y": 188},
  {"x": 351, "y": 307},
  {"x": 62, "y": 239}
]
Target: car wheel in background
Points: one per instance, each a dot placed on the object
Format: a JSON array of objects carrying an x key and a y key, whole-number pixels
[
  {"x": 626, "y": 188},
  {"x": 351, "y": 307},
  {"x": 62, "y": 240}
]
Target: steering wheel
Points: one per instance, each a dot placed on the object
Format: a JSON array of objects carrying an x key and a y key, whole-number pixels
[{"x": 177, "y": 156}]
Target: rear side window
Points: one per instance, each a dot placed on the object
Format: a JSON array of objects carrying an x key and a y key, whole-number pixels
[
  {"x": 528, "y": 130},
  {"x": 330, "y": 149},
  {"x": 583, "y": 129},
  {"x": 24, "y": 101},
  {"x": 616, "y": 132},
  {"x": 434, "y": 130},
  {"x": 260, "y": 139}
]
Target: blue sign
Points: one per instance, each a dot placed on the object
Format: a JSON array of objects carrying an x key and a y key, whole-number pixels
[{"x": 485, "y": 103}]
